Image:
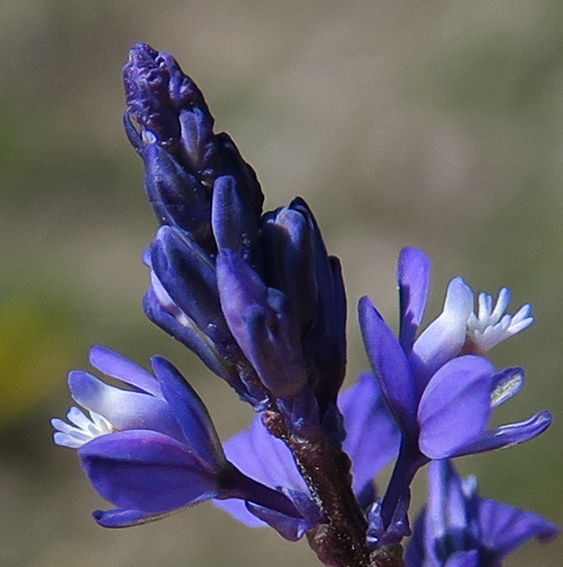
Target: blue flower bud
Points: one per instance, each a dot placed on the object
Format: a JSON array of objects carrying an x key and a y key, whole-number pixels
[
  {"x": 261, "y": 321},
  {"x": 170, "y": 126},
  {"x": 289, "y": 262},
  {"x": 296, "y": 262},
  {"x": 235, "y": 226},
  {"x": 177, "y": 196}
]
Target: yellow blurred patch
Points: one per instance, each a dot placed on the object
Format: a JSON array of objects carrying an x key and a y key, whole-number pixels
[{"x": 35, "y": 355}]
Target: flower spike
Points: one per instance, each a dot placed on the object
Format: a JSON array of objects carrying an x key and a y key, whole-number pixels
[{"x": 257, "y": 297}]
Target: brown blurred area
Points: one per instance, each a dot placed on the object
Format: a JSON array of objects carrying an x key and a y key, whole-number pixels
[{"x": 431, "y": 123}]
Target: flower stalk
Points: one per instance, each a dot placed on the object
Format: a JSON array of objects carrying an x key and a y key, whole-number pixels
[{"x": 257, "y": 297}]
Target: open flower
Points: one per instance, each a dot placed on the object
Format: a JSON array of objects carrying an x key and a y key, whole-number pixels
[
  {"x": 441, "y": 397},
  {"x": 459, "y": 529},
  {"x": 151, "y": 449},
  {"x": 259, "y": 300}
]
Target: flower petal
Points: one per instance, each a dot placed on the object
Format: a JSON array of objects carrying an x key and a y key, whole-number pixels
[
  {"x": 191, "y": 414},
  {"x": 507, "y": 435},
  {"x": 124, "y": 518},
  {"x": 491, "y": 325},
  {"x": 292, "y": 529},
  {"x": 413, "y": 275},
  {"x": 146, "y": 471},
  {"x": 372, "y": 435},
  {"x": 446, "y": 529},
  {"x": 456, "y": 406},
  {"x": 81, "y": 428},
  {"x": 117, "y": 366},
  {"x": 186, "y": 276},
  {"x": 448, "y": 513},
  {"x": 443, "y": 338},
  {"x": 239, "y": 511},
  {"x": 324, "y": 344},
  {"x": 124, "y": 409},
  {"x": 287, "y": 240},
  {"x": 234, "y": 220},
  {"x": 252, "y": 452},
  {"x": 389, "y": 365},
  {"x": 176, "y": 194},
  {"x": 504, "y": 528},
  {"x": 506, "y": 384},
  {"x": 162, "y": 311},
  {"x": 261, "y": 320},
  {"x": 415, "y": 553}
]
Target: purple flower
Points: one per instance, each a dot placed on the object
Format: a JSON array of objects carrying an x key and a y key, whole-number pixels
[
  {"x": 205, "y": 196},
  {"x": 259, "y": 300},
  {"x": 288, "y": 318},
  {"x": 425, "y": 379},
  {"x": 442, "y": 397},
  {"x": 151, "y": 449},
  {"x": 459, "y": 529}
]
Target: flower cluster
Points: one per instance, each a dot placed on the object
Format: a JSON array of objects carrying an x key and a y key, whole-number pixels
[{"x": 261, "y": 302}]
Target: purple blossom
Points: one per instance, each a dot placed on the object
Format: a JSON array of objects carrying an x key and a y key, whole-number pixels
[
  {"x": 459, "y": 529},
  {"x": 184, "y": 299},
  {"x": 259, "y": 300},
  {"x": 262, "y": 321},
  {"x": 293, "y": 244},
  {"x": 441, "y": 397},
  {"x": 430, "y": 385},
  {"x": 151, "y": 449}
]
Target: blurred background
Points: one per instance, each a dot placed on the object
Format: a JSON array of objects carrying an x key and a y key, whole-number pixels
[{"x": 434, "y": 123}]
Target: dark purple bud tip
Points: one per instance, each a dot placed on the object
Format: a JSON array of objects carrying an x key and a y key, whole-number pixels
[{"x": 156, "y": 92}]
